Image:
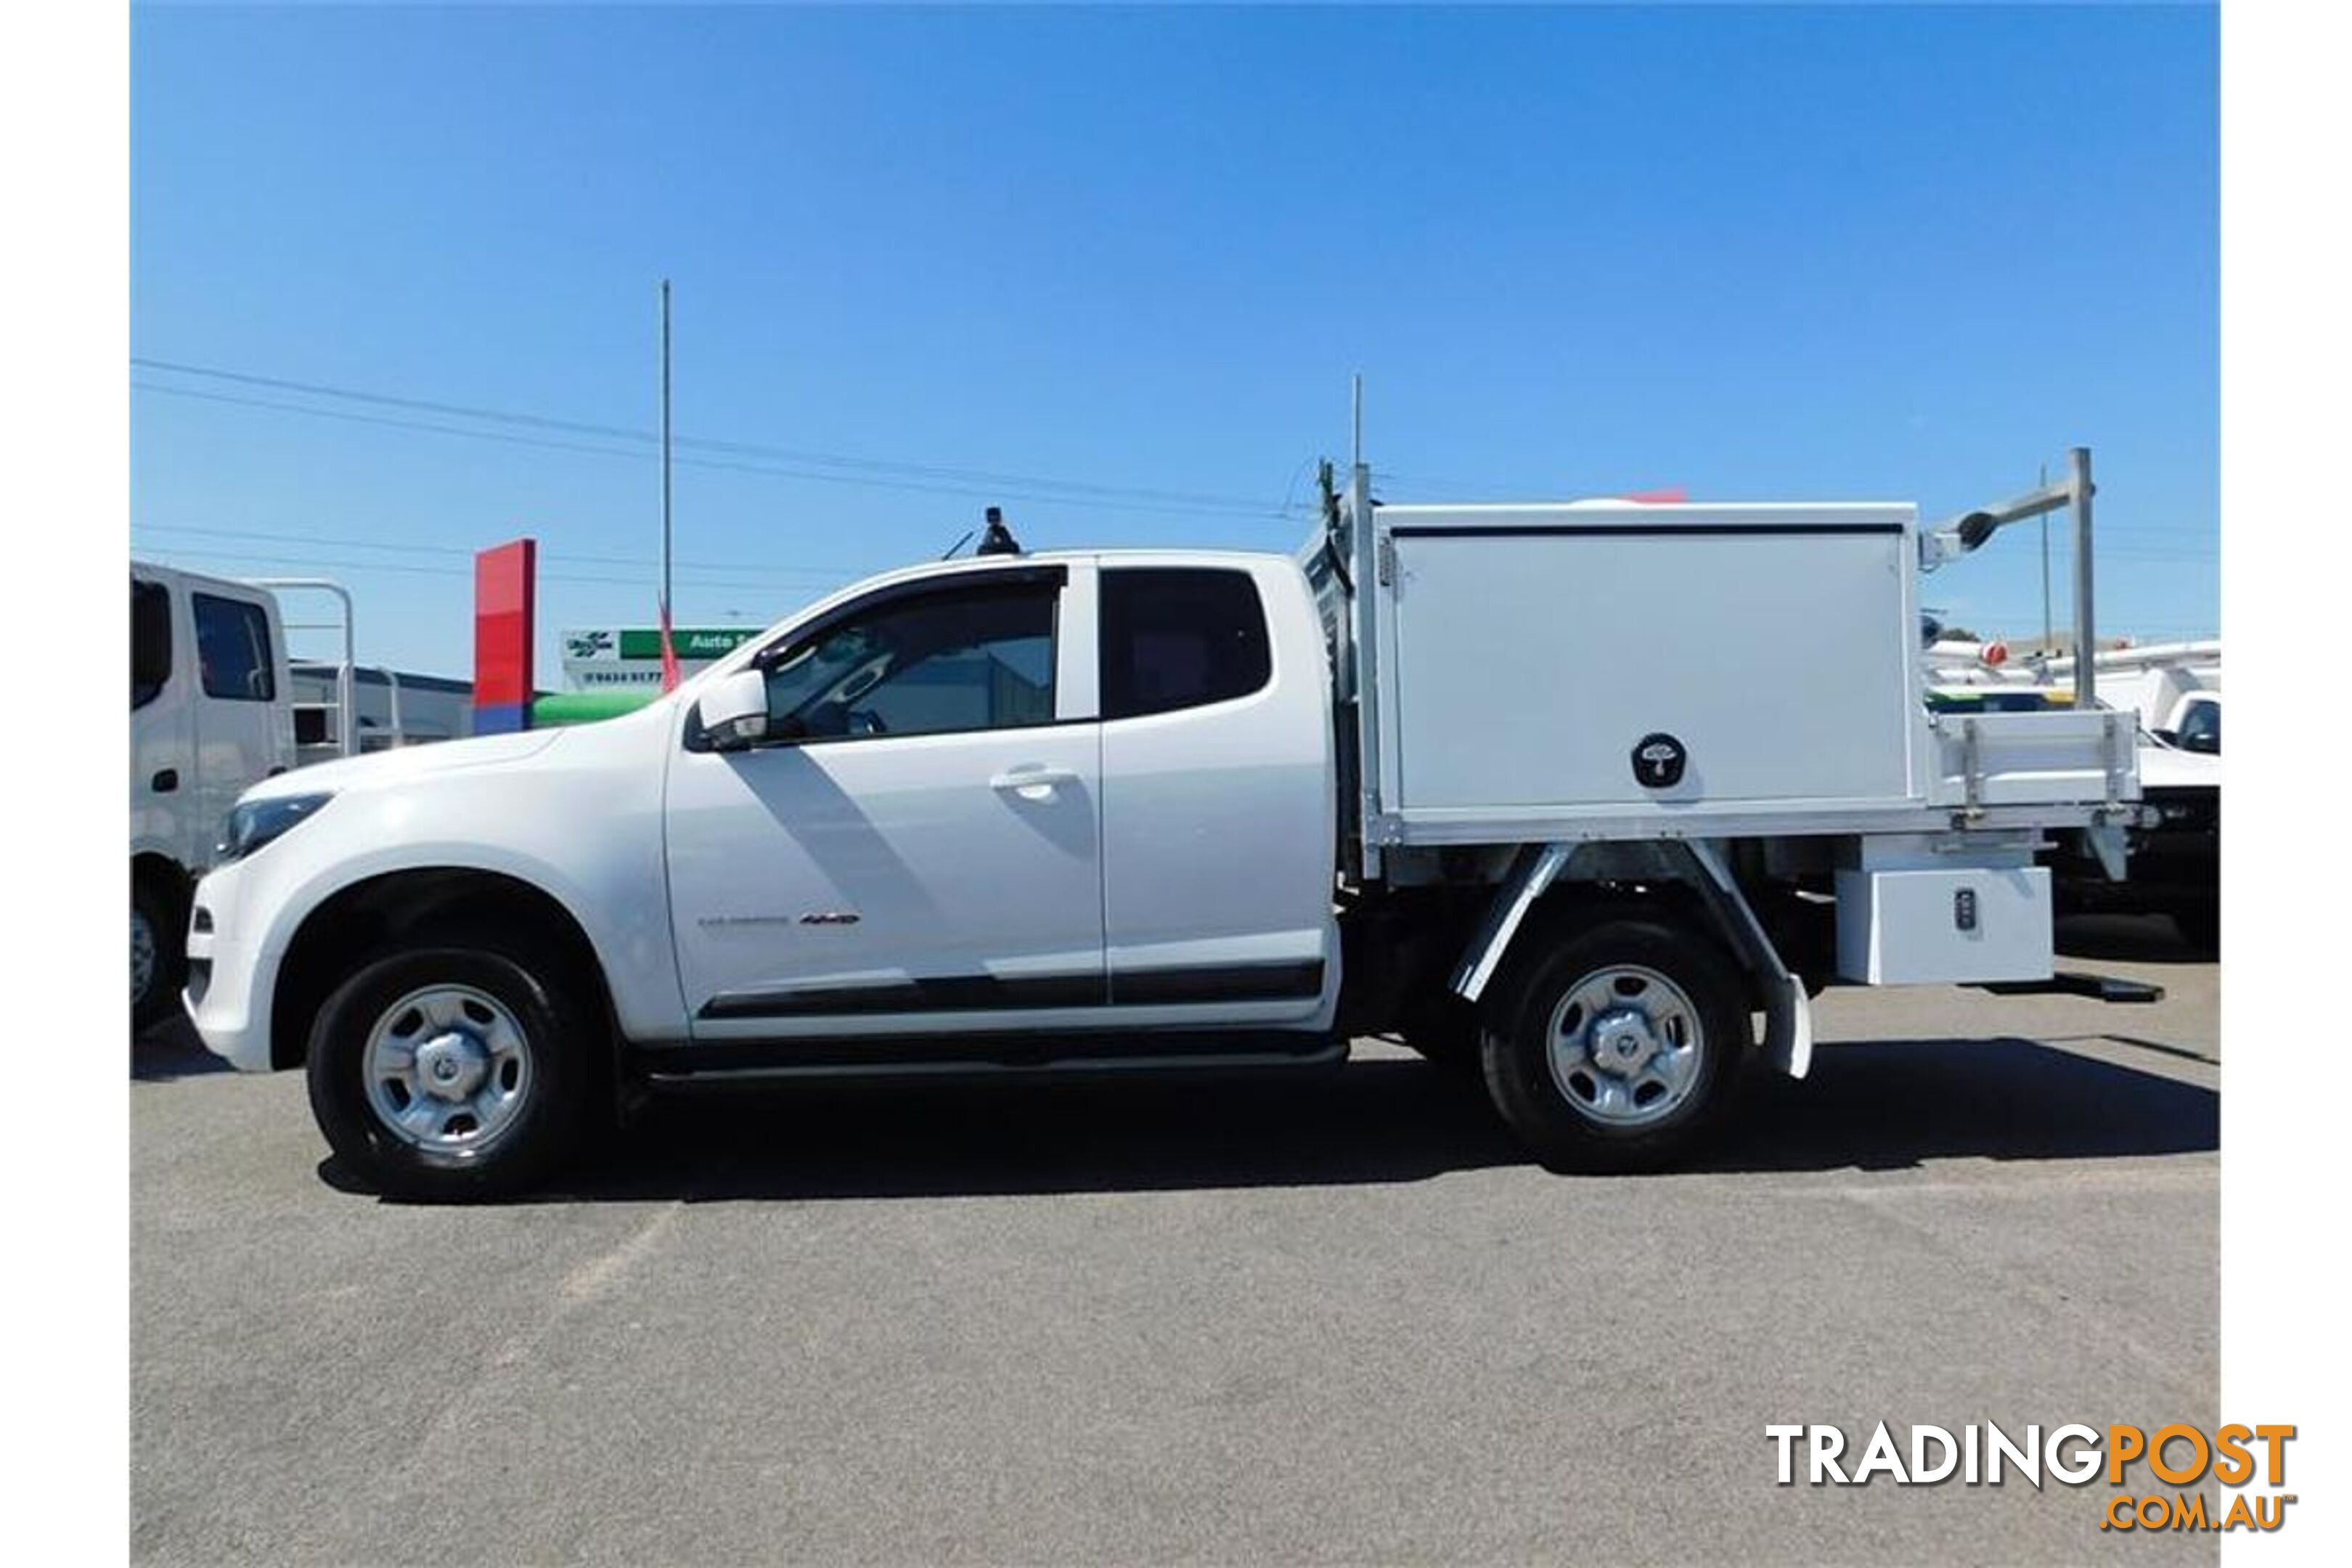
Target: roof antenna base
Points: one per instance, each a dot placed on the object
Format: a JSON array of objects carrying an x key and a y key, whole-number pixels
[{"x": 997, "y": 538}]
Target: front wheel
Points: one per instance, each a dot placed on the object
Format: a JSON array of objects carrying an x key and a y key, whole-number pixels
[
  {"x": 448, "y": 1073},
  {"x": 1617, "y": 1049},
  {"x": 159, "y": 961}
]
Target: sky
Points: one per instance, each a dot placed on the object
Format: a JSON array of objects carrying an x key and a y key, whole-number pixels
[{"x": 395, "y": 280}]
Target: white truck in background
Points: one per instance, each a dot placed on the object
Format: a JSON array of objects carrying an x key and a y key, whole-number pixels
[
  {"x": 210, "y": 715},
  {"x": 215, "y": 708},
  {"x": 2173, "y": 690},
  {"x": 1497, "y": 778}
]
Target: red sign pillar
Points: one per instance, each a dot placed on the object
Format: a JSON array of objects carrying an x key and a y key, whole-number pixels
[{"x": 506, "y": 629}]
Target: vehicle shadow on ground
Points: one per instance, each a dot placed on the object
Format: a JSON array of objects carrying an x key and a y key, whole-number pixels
[
  {"x": 2129, "y": 939},
  {"x": 172, "y": 1050},
  {"x": 1880, "y": 1106}
]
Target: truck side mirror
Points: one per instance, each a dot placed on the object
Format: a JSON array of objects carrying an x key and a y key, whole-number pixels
[{"x": 734, "y": 712}]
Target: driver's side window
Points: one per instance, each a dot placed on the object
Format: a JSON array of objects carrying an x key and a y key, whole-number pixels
[
  {"x": 2201, "y": 727},
  {"x": 968, "y": 657}
]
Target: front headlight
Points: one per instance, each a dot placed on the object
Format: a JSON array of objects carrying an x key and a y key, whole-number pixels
[{"x": 255, "y": 822}]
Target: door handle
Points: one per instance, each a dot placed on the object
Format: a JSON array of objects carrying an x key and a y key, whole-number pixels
[
  {"x": 1032, "y": 781},
  {"x": 165, "y": 781}
]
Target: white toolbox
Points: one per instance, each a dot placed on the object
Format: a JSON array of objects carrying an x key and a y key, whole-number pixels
[{"x": 1945, "y": 925}]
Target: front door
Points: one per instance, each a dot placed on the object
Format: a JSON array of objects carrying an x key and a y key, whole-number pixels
[
  {"x": 916, "y": 845},
  {"x": 240, "y": 712}
]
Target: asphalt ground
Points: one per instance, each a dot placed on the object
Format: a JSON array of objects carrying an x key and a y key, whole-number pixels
[{"x": 1327, "y": 1319}]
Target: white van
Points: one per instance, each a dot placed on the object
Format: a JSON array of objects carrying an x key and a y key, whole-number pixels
[{"x": 210, "y": 715}]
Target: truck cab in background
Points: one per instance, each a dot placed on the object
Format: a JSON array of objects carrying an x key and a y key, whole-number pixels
[{"x": 210, "y": 715}]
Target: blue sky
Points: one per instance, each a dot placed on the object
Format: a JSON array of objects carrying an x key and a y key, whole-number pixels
[{"x": 1772, "y": 254}]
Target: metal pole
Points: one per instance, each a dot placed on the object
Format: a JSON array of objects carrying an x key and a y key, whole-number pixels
[
  {"x": 2049, "y": 634},
  {"x": 1356, "y": 453},
  {"x": 665, "y": 433},
  {"x": 2086, "y": 641}
]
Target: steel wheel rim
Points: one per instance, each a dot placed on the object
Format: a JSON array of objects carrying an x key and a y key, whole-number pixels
[
  {"x": 143, "y": 955},
  {"x": 1625, "y": 1044},
  {"x": 448, "y": 1069}
]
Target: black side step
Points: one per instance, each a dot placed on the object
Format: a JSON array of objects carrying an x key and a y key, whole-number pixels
[
  {"x": 952, "y": 1054},
  {"x": 2065, "y": 983}
]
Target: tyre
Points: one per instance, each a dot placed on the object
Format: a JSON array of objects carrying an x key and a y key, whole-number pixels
[
  {"x": 2199, "y": 925},
  {"x": 449, "y": 1072},
  {"x": 1616, "y": 1048},
  {"x": 159, "y": 957}
]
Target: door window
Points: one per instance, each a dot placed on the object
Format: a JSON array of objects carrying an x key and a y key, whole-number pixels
[
  {"x": 961, "y": 659},
  {"x": 1178, "y": 638},
  {"x": 233, "y": 647},
  {"x": 2201, "y": 727},
  {"x": 150, "y": 641}
]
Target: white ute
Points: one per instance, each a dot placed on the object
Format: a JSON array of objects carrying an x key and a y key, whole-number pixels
[{"x": 1502, "y": 780}]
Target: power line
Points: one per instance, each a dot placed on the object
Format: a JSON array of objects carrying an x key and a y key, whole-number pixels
[
  {"x": 770, "y": 470},
  {"x": 345, "y": 564},
  {"x": 333, "y": 541},
  {"x": 965, "y": 479}
]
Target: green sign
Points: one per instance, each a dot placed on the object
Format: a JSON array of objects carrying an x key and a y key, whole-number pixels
[
  {"x": 604, "y": 657},
  {"x": 691, "y": 642}
]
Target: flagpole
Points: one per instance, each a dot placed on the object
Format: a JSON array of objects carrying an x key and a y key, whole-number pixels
[{"x": 668, "y": 654}]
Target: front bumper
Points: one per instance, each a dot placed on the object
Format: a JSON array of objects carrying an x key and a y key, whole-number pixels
[{"x": 227, "y": 976}]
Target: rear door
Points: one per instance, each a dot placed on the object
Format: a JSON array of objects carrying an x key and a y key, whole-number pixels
[
  {"x": 1218, "y": 810},
  {"x": 916, "y": 847}
]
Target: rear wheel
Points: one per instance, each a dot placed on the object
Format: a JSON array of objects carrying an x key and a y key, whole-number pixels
[
  {"x": 2199, "y": 924},
  {"x": 448, "y": 1072},
  {"x": 1616, "y": 1048},
  {"x": 159, "y": 959}
]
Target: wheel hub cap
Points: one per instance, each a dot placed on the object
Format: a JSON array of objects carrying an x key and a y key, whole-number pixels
[
  {"x": 1623, "y": 1042},
  {"x": 451, "y": 1066},
  {"x": 1625, "y": 1046},
  {"x": 447, "y": 1070}
]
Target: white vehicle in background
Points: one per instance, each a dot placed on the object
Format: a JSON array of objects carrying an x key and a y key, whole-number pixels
[
  {"x": 215, "y": 708},
  {"x": 210, "y": 715},
  {"x": 1498, "y": 778},
  {"x": 2174, "y": 692}
]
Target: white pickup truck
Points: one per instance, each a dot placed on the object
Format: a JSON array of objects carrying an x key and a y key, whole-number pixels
[{"x": 1502, "y": 780}]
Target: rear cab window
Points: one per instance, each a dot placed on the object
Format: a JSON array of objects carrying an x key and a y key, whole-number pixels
[
  {"x": 1180, "y": 637},
  {"x": 233, "y": 648}
]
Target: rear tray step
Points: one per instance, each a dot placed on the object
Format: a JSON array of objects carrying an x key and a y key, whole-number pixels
[{"x": 2065, "y": 983}]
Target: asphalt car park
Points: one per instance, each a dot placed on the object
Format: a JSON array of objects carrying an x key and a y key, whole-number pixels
[{"x": 1331, "y": 1318}]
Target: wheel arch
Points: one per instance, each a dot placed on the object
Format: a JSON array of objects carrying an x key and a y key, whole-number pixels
[
  {"x": 1688, "y": 886},
  {"x": 375, "y": 912}
]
